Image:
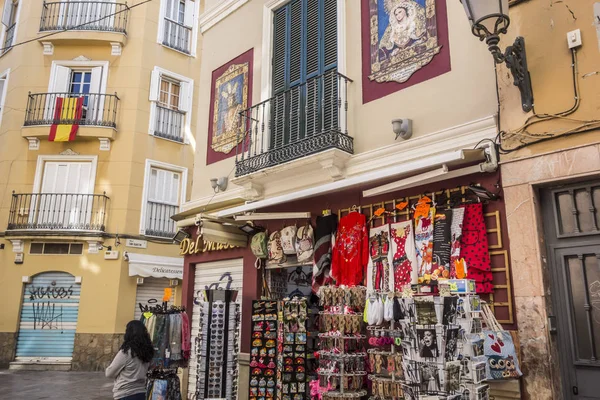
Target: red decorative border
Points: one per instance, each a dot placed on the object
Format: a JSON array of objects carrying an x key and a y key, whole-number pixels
[
  {"x": 438, "y": 66},
  {"x": 211, "y": 155}
]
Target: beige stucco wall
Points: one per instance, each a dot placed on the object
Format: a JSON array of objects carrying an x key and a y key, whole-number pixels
[
  {"x": 465, "y": 94},
  {"x": 108, "y": 293},
  {"x": 544, "y": 25}
]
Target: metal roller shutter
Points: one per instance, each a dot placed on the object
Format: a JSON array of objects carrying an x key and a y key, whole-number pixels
[
  {"x": 48, "y": 318},
  {"x": 221, "y": 274},
  {"x": 151, "y": 293}
]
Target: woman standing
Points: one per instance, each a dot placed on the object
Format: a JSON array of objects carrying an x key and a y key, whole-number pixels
[{"x": 130, "y": 365}]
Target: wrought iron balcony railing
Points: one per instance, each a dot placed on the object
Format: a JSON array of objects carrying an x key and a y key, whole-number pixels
[
  {"x": 169, "y": 123},
  {"x": 158, "y": 220},
  {"x": 304, "y": 120},
  {"x": 97, "y": 109},
  {"x": 9, "y": 38},
  {"x": 177, "y": 36},
  {"x": 85, "y": 16},
  {"x": 58, "y": 212}
]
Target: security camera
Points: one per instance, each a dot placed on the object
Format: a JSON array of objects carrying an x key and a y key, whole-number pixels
[{"x": 402, "y": 128}]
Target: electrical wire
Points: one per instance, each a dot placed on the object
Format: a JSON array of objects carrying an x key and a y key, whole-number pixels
[
  {"x": 523, "y": 132},
  {"x": 74, "y": 28}
]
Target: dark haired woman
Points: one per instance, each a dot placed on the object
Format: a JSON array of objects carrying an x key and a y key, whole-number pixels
[{"x": 130, "y": 365}]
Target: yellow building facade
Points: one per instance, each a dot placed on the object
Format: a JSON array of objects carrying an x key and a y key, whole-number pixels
[
  {"x": 85, "y": 229},
  {"x": 550, "y": 170}
]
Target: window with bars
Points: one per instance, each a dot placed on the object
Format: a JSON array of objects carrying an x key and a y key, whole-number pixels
[
  {"x": 171, "y": 97},
  {"x": 304, "y": 81},
  {"x": 163, "y": 193},
  {"x": 178, "y": 23},
  {"x": 9, "y": 20}
]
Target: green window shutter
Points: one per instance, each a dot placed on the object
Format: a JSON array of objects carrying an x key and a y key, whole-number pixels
[
  {"x": 279, "y": 50},
  {"x": 330, "y": 33}
]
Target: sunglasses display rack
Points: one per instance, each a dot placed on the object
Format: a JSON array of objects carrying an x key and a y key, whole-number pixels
[
  {"x": 342, "y": 356},
  {"x": 263, "y": 350},
  {"x": 421, "y": 348},
  {"x": 217, "y": 345}
]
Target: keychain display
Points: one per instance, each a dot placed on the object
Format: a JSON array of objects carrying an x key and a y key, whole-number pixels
[
  {"x": 263, "y": 350},
  {"x": 292, "y": 361}
]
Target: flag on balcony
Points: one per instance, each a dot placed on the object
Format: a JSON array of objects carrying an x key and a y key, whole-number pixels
[{"x": 67, "y": 111}]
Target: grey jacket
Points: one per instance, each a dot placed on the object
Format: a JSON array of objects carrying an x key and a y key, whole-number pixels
[{"x": 129, "y": 374}]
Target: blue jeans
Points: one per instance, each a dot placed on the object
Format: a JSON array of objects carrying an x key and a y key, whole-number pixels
[{"x": 137, "y": 396}]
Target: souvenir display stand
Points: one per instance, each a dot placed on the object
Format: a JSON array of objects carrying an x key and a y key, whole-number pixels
[
  {"x": 426, "y": 347},
  {"x": 342, "y": 367},
  {"x": 217, "y": 345}
]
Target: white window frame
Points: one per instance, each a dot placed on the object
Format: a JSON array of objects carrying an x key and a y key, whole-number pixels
[
  {"x": 160, "y": 165},
  {"x": 267, "y": 43},
  {"x": 71, "y": 64},
  {"x": 41, "y": 162},
  {"x": 4, "y": 75},
  {"x": 3, "y": 34},
  {"x": 161, "y": 27},
  {"x": 155, "y": 78}
]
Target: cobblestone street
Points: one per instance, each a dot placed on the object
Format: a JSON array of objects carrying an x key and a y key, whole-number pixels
[{"x": 37, "y": 385}]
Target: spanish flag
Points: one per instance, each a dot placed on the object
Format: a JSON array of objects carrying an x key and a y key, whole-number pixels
[{"x": 67, "y": 110}]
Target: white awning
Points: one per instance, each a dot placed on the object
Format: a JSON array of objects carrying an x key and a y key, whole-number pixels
[{"x": 156, "y": 266}]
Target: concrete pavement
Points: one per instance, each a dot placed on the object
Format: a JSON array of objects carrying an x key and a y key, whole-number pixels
[{"x": 34, "y": 385}]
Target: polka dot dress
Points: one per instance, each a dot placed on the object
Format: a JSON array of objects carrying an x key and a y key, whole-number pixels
[{"x": 474, "y": 248}]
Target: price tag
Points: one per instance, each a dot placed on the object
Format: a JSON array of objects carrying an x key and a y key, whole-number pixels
[{"x": 147, "y": 315}]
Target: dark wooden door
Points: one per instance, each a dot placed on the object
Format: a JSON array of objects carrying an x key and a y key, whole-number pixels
[{"x": 571, "y": 226}]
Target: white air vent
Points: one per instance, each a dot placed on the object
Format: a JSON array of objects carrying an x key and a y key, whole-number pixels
[{"x": 140, "y": 281}]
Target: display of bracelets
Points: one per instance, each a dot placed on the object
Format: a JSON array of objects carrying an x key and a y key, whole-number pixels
[
  {"x": 385, "y": 388},
  {"x": 345, "y": 395},
  {"x": 332, "y": 365},
  {"x": 342, "y": 323},
  {"x": 354, "y": 297},
  {"x": 386, "y": 363},
  {"x": 335, "y": 344},
  {"x": 384, "y": 338}
]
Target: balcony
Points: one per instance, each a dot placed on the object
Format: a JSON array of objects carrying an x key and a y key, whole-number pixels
[
  {"x": 307, "y": 119},
  {"x": 98, "y": 118},
  {"x": 169, "y": 124},
  {"x": 63, "y": 213},
  {"x": 177, "y": 36},
  {"x": 94, "y": 22},
  {"x": 158, "y": 220}
]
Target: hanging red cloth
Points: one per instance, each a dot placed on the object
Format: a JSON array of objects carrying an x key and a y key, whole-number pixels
[
  {"x": 474, "y": 248},
  {"x": 351, "y": 250}
]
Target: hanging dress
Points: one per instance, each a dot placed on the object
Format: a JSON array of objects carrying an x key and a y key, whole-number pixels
[
  {"x": 474, "y": 248},
  {"x": 351, "y": 250},
  {"x": 404, "y": 256}
]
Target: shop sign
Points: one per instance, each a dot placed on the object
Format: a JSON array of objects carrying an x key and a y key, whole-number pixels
[{"x": 199, "y": 246}]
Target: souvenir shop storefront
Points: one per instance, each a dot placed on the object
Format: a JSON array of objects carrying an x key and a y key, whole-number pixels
[{"x": 403, "y": 295}]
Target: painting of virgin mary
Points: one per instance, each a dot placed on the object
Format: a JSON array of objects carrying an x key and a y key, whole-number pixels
[{"x": 406, "y": 25}]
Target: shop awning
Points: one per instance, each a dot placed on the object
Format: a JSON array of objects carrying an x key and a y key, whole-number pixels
[
  {"x": 146, "y": 265},
  {"x": 452, "y": 158}
]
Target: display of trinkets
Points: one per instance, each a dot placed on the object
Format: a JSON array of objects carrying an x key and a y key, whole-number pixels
[
  {"x": 292, "y": 360},
  {"x": 217, "y": 345},
  {"x": 263, "y": 350},
  {"x": 342, "y": 358}
]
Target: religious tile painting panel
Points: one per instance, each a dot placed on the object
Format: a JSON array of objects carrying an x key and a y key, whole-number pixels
[
  {"x": 231, "y": 93},
  {"x": 404, "y": 42}
]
